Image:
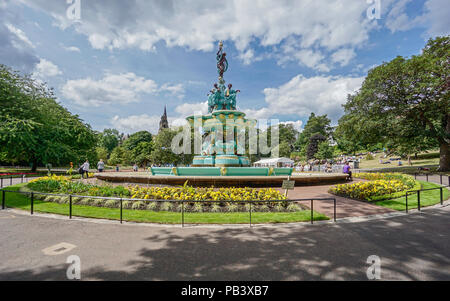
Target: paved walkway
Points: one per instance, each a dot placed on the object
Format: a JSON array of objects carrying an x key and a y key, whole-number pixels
[
  {"x": 344, "y": 207},
  {"x": 411, "y": 247},
  {"x": 435, "y": 179}
]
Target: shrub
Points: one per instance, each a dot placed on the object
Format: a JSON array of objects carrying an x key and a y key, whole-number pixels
[
  {"x": 292, "y": 207},
  {"x": 153, "y": 206},
  {"x": 198, "y": 207},
  {"x": 76, "y": 200},
  {"x": 127, "y": 204},
  {"x": 87, "y": 201},
  {"x": 263, "y": 208},
  {"x": 279, "y": 207},
  {"x": 215, "y": 208},
  {"x": 112, "y": 204},
  {"x": 138, "y": 205},
  {"x": 49, "y": 198},
  {"x": 63, "y": 200},
  {"x": 99, "y": 202},
  {"x": 166, "y": 206},
  {"x": 232, "y": 207},
  {"x": 369, "y": 157}
]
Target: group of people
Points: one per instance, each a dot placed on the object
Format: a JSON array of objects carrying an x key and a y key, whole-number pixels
[
  {"x": 84, "y": 168},
  {"x": 326, "y": 167}
]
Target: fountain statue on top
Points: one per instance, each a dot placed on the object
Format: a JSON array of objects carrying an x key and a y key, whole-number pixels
[
  {"x": 223, "y": 124},
  {"x": 220, "y": 98}
]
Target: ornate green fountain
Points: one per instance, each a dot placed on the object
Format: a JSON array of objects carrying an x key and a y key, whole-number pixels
[{"x": 222, "y": 127}]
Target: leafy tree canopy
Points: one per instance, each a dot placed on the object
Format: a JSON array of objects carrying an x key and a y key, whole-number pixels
[
  {"x": 405, "y": 104},
  {"x": 35, "y": 128}
]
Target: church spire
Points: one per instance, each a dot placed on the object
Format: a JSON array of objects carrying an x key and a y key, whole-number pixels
[{"x": 163, "y": 124}]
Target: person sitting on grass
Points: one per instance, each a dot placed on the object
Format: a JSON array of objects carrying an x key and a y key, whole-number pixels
[{"x": 346, "y": 169}]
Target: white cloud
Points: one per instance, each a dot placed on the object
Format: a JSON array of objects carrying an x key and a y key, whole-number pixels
[
  {"x": 302, "y": 95},
  {"x": 136, "y": 123},
  {"x": 176, "y": 90},
  {"x": 115, "y": 89},
  {"x": 437, "y": 14},
  {"x": 343, "y": 56},
  {"x": 298, "y": 125},
  {"x": 20, "y": 35},
  {"x": 144, "y": 122},
  {"x": 16, "y": 50},
  {"x": 198, "y": 25},
  {"x": 188, "y": 109},
  {"x": 45, "y": 69},
  {"x": 72, "y": 49},
  {"x": 435, "y": 17}
]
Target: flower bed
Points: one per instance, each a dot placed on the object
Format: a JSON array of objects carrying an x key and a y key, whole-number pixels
[
  {"x": 220, "y": 196},
  {"x": 381, "y": 186}
]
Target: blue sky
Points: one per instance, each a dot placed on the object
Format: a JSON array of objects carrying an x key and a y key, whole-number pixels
[{"x": 121, "y": 62}]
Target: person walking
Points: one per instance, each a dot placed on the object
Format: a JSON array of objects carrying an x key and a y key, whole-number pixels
[
  {"x": 85, "y": 168},
  {"x": 100, "y": 165}
]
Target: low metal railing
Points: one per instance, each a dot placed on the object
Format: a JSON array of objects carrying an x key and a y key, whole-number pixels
[
  {"x": 23, "y": 178},
  {"x": 411, "y": 192},
  {"x": 183, "y": 202}
]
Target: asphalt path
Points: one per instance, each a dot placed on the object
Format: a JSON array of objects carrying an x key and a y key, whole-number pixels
[{"x": 411, "y": 247}]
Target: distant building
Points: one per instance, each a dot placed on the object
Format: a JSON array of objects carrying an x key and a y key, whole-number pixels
[{"x": 163, "y": 124}]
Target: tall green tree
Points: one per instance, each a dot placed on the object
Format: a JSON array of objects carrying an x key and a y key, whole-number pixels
[
  {"x": 134, "y": 139},
  {"x": 405, "y": 104},
  {"x": 313, "y": 145},
  {"x": 109, "y": 139},
  {"x": 120, "y": 155},
  {"x": 141, "y": 154},
  {"x": 162, "y": 152},
  {"x": 35, "y": 128},
  {"x": 319, "y": 124}
]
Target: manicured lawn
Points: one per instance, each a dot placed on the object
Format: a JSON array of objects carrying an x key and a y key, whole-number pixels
[
  {"x": 429, "y": 159},
  {"x": 22, "y": 201},
  {"x": 427, "y": 198}
]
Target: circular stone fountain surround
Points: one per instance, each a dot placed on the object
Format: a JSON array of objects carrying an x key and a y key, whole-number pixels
[{"x": 221, "y": 181}]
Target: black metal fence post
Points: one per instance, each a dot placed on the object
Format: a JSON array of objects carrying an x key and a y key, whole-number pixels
[
  {"x": 440, "y": 179},
  {"x": 312, "y": 211},
  {"x": 334, "y": 209},
  {"x": 442, "y": 196},
  {"x": 3, "y": 199},
  {"x": 1, "y": 182},
  {"x": 415, "y": 176},
  {"x": 32, "y": 203},
  {"x": 418, "y": 200},
  {"x": 121, "y": 209},
  {"x": 182, "y": 213},
  {"x": 10, "y": 181},
  {"x": 427, "y": 177},
  {"x": 250, "y": 212},
  {"x": 406, "y": 201},
  {"x": 448, "y": 181},
  {"x": 70, "y": 206}
]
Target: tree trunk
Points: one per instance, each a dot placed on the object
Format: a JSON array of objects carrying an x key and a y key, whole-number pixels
[
  {"x": 444, "y": 161},
  {"x": 34, "y": 166}
]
